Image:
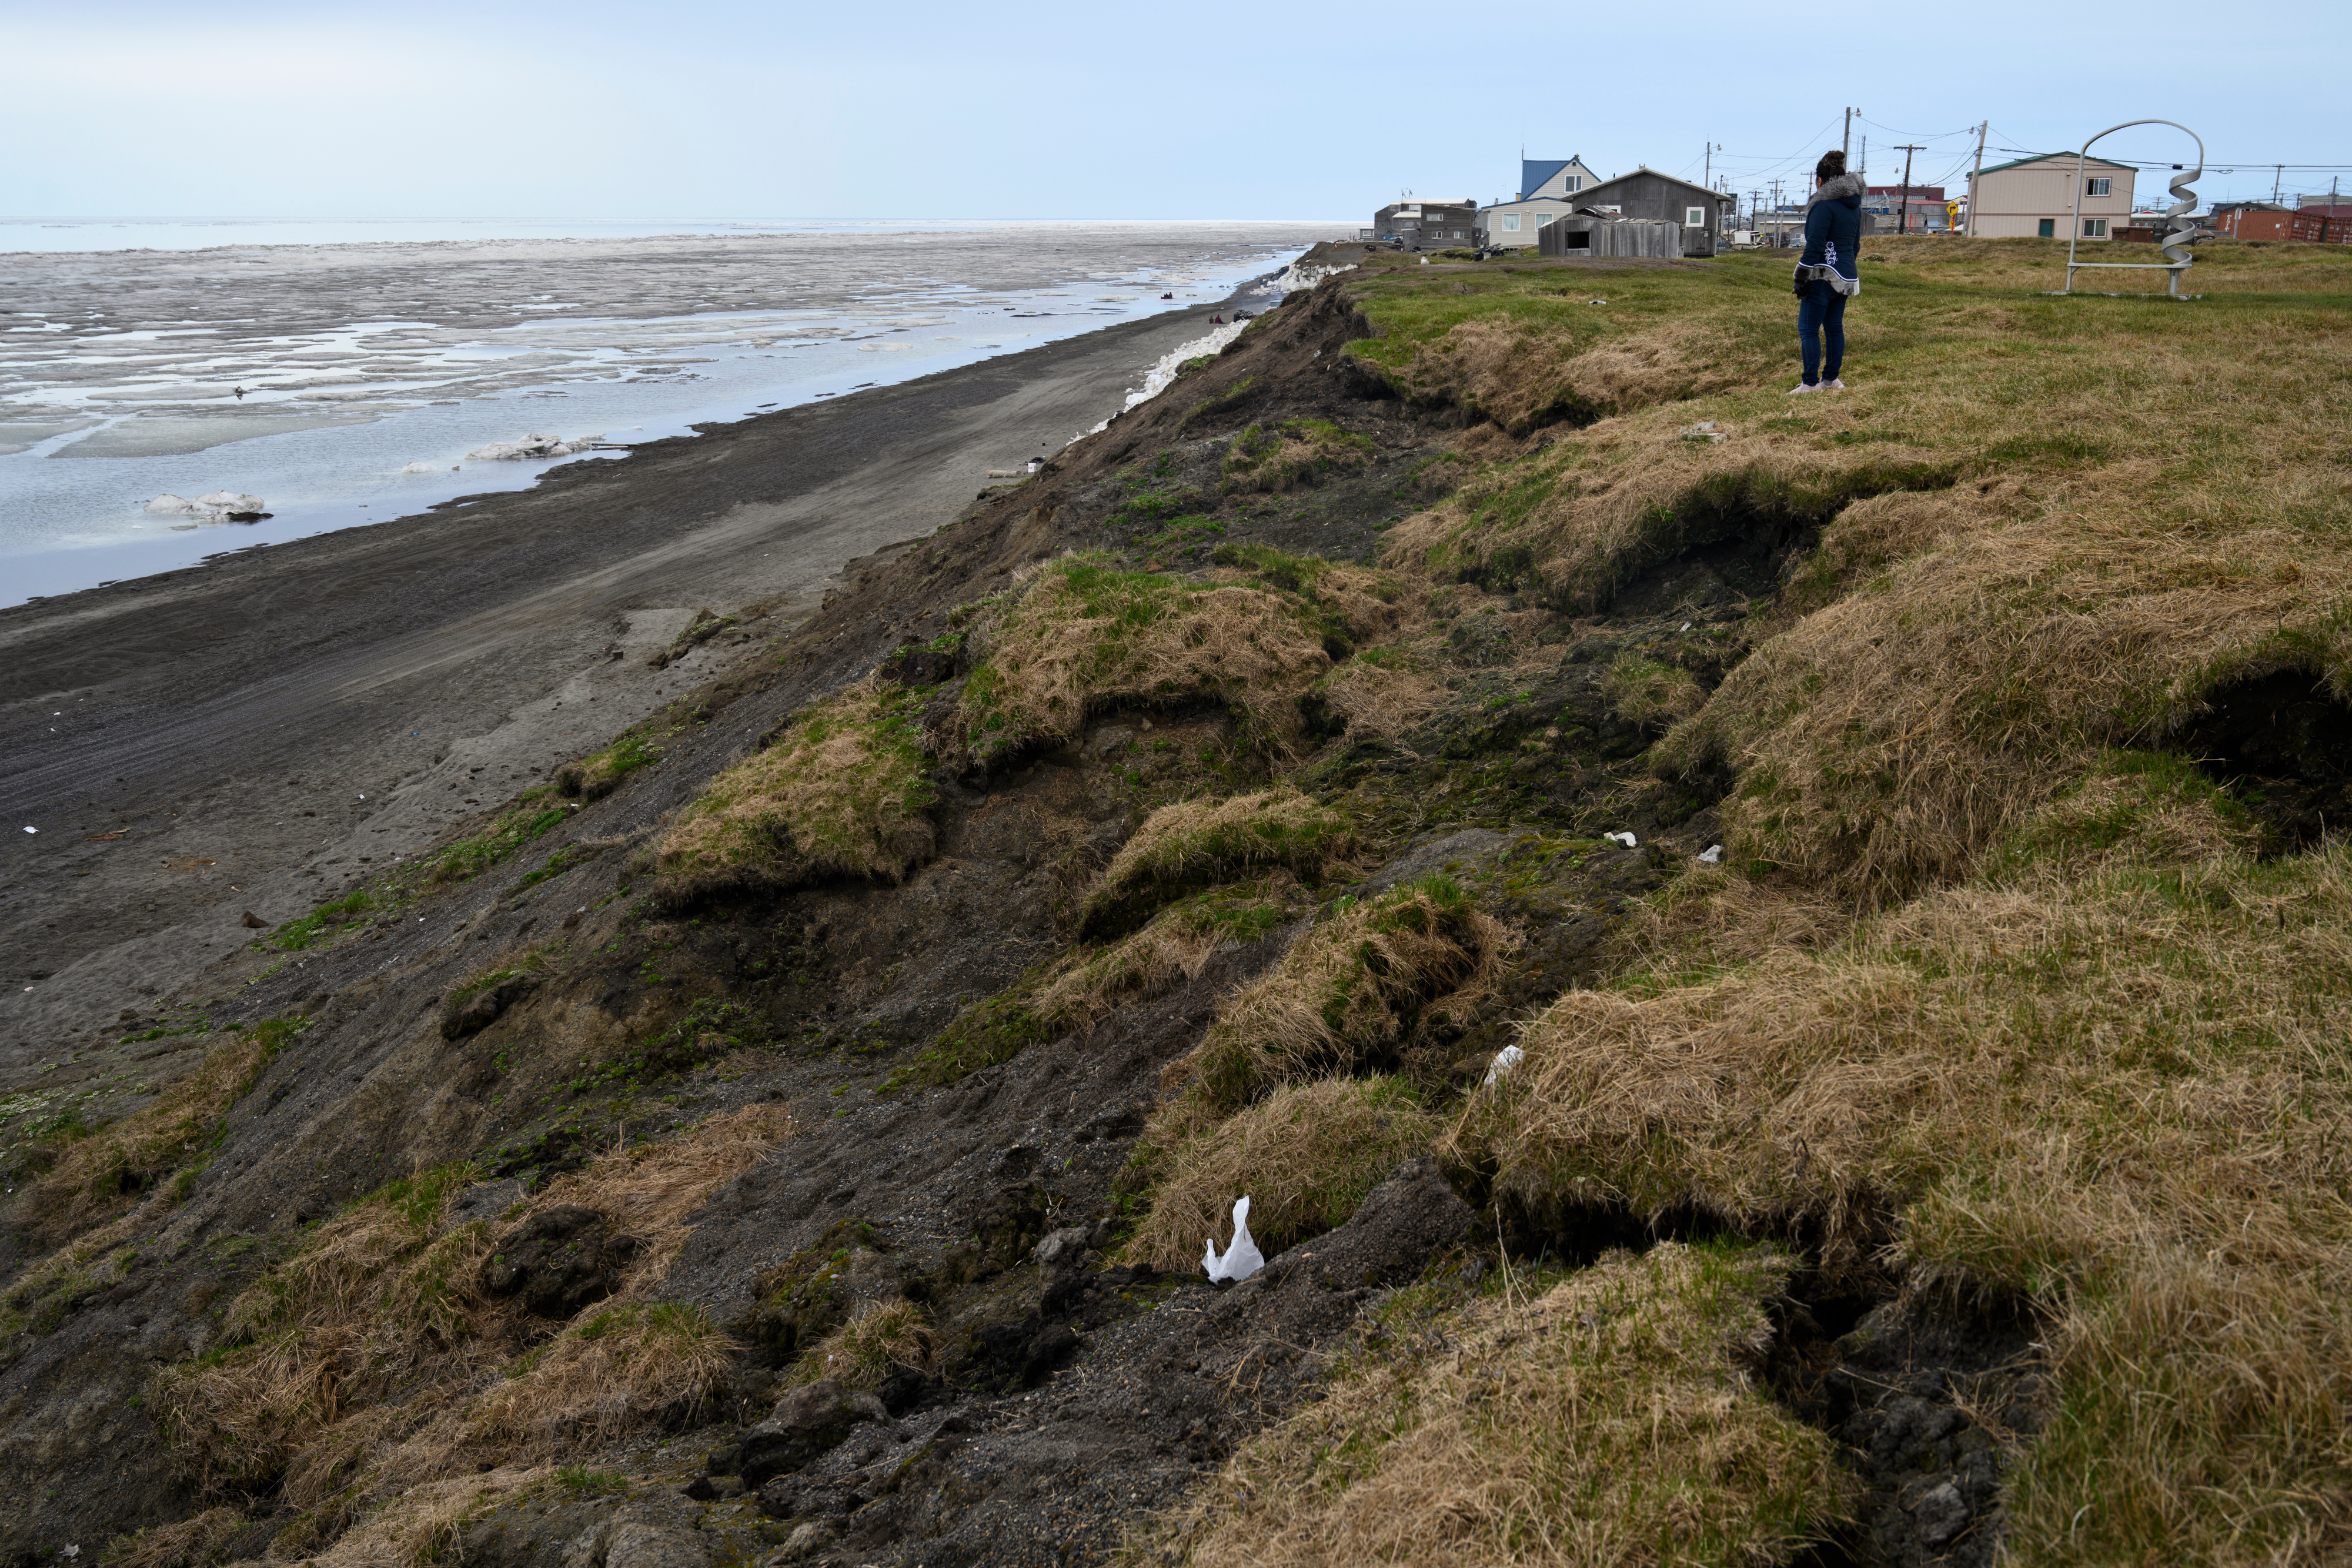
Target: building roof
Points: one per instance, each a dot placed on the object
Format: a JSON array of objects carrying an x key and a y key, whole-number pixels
[
  {"x": 1590, "y": 191},
  {"x": 2045, "y": 157},
  {"x": 1534, "y": 171}
]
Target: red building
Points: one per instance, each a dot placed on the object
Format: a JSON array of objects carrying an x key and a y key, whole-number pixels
[
  {"x": 2321, "y": 225},
  {"x": 1926, "y": 211}
]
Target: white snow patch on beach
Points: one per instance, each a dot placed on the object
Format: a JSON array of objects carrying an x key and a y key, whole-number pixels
[{"x": 1162, "y": 373}]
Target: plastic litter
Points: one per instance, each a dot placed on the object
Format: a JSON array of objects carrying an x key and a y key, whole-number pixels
[
  {"x": 1703, "y": 430},
  {"x": 1625, "y": 839},
  {"x": 1241, "y": 1260},
  {"x": 1504, "y": 1060},
  {"x": 1714, "y": 855},
  {"x": 32, "y": 829}
]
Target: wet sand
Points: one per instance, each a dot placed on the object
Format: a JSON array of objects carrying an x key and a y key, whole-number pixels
[{"x": 251, "y": 734}]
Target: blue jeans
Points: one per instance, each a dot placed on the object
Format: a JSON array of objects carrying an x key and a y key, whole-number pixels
[{"x": 1821, "y": 316}]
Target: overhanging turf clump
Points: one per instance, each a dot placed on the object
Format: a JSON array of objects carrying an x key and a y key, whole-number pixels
[
  {"x": 1086, "y": 636},
  {"x": 846, "y": 791},
  {"x": 2106, "y": 1085},
  {"x": 1613, "y": 1419},
  {"x": 1197, "y": 842},
  {"x": 1362, "y": 996},
  {"x": 1306, "y": 1154}
]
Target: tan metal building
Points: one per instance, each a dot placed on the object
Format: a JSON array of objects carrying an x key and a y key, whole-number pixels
[{"x": 2035, "y": 196}]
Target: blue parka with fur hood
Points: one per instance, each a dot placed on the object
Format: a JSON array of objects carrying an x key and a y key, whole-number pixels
[{"x": 1833, "y": 235}]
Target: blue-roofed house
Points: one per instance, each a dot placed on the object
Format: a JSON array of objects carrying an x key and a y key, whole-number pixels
[
  {"x": 1541, "y": 177},
  {"x": 1549, "y": 189}
]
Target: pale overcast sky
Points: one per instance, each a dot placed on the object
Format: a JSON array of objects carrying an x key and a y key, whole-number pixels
[{"x": 865, "y": 112}]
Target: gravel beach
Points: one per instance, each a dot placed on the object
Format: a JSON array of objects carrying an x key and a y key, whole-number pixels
[{"x": 250, "y": 733}]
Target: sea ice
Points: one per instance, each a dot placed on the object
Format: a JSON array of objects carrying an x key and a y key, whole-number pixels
[
  {"x": 533, "y": 446},
  {"x": 213, "y": 509}
]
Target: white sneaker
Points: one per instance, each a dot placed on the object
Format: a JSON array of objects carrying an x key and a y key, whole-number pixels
[
  {"x": 1802, "y": 388},
  {"x": 1834, "y": 386}
]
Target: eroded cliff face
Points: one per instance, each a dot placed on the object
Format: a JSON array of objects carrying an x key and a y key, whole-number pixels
[{"x": 562, "y": 1212}]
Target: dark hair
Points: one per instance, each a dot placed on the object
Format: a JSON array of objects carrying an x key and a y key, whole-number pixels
[{"x": 1832, "y": 165}]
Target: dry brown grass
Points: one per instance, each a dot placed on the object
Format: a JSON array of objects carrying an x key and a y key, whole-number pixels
[
  {"x": 1154, "y": 960},
  {"x": 365, "y": 1380},
  {"x": 1194, "y": 843},
  {"x": 1649, "y": 694},
  {"x": 1084, "y": 636},
  {"x": 200, "y": 1541},
  {"x": 1518, "y": 375},
  {"x": 1886, "y": 740},
  {"x": 1610, "y": 1422},
  {"x": 879, "y": 1339},
  {"x": 1306, "y": 1156},
  {"x": 2115, "y": 1086},
  {"x": 846, "y": 791},
  {"x": 1355, "y": 995},
  {"x": 1585, "y": 517},
  {"x": 102, "y": 1175},
  {"x": 1293, "y": 452},
  {"x": 615, "y": 1370},
  {"x": 1382, "y": 698},
  {"x": 421, "y": 1524}
]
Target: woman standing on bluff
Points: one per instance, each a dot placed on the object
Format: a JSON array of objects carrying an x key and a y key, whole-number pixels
[{"x": 1827, "y": 273}]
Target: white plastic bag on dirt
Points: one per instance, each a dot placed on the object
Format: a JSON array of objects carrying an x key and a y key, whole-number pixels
[
  {"x": 1714, "y": 855},
  {"x": 1625, "y": 839},
  {"x": 1504, "y": 1060},
  {"x": 1241, "y": 1258}
]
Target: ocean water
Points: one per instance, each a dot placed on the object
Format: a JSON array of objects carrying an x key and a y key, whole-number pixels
[{"x": 370, "y": 367}]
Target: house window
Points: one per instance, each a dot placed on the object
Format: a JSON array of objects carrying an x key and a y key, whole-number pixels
[
  {"x": 1574, "y": 182},
  {"x": 1544, "y": 218},
  {"x": 2047, "y": 228},
  {"x": 1694, "y": 217},
  {"x": 2095, "y": 228},
  {"x": 1510, "y": 223},
  {"x": 2100, "y": 185}
]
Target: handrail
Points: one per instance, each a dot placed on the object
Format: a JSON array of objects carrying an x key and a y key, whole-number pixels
[{"x": 2180, "y": 233}]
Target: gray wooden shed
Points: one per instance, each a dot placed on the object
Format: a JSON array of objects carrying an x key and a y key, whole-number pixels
[
  {"x": 1581, "y": 234},
  {"x": 1646, "y": 194}
]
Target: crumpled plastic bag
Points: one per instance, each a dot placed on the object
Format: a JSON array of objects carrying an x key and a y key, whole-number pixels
[
  {"x": 1625, "y": 839},
  {"x": 1714, "y": 855},
  {"x": 1504, "y": 1060},
  {"x": 1239, "y": 1260}
]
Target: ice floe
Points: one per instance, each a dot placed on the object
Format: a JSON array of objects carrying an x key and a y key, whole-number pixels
[
  {"x": 534, "y": 445},
  {"x": 221, "y": 506}
]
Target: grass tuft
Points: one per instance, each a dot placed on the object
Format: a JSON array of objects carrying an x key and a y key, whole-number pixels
[
  {"x": 846, "y": 791},
  {"x": 1612, "y": 1421}
]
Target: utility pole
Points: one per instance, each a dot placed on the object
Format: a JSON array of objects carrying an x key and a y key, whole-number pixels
[
  {"x": 1972, "y": 177},
  {"x": 1903, "y": 221},
  {"x": 1845, "y": 142},
  {"x": 2278, "y": 182},
  {"x": 1709, "y": 179},
  {"x": 1865, "y": 157}
]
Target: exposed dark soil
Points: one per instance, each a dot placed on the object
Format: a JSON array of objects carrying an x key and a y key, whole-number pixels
[{"x": 2283, "y": 743}]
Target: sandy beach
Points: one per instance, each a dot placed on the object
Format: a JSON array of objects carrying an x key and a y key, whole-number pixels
[{"x": 246, "y": 735}]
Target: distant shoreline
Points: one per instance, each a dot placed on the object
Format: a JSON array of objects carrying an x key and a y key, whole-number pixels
[{"x": 202, "y": 712}]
